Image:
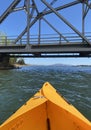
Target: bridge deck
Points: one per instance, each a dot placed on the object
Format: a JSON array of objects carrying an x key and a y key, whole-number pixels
[
  {"x": 47, "y": 45},
  {"x": 48, "y": 49}
]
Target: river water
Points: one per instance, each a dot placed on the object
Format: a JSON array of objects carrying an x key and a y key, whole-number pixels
[{"x": 18, "y": 85}]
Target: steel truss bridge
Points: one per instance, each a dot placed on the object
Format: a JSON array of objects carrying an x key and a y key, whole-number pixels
[{"x": 26, "y": 44}]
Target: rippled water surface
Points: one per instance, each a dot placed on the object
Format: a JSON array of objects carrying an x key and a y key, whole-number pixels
[{"x": 17, "y": 86}]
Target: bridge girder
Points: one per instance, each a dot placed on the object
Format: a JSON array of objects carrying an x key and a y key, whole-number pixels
[{"x": 35, "y": 15}]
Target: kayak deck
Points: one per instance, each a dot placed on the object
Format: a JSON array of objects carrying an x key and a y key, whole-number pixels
[{"x": 47, "y": 110}]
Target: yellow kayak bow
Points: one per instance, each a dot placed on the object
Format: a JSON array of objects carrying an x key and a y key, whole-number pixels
[{"x": 47, "y": 110}]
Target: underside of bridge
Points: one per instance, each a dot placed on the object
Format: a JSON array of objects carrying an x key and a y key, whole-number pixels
[{"x": 43, "y": 34}]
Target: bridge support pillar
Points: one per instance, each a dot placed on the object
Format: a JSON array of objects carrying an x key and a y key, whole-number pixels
[{"x": 4, "y": 61}]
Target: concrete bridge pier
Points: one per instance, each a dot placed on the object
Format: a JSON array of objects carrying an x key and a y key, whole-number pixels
[{"x": 4, "y": 61}]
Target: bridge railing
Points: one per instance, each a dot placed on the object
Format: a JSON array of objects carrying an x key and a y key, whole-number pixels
[
  {"x": 44, "y": 39},
  {"x": 72, "y": 37},
  {"x": 55, "y": 38}
]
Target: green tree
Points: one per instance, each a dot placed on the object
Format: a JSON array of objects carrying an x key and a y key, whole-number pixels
[
  {"x": 4, "y": 39},
  {"x": 21, "y": 61},
  {"x": 13, "y": 60}
]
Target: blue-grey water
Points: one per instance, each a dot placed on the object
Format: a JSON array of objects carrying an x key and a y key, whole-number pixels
[{"x": 18, "y": 85}]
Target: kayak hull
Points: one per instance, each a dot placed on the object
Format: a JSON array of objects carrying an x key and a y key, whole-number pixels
[{"x": 47, "y": 110}]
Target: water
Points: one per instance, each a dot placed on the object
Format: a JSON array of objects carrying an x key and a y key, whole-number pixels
[{"x": 17, "y": 86}]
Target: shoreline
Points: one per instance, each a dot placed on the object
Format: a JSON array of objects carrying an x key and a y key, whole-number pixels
[
  {"x": 18, "y": 65},
  {"x": 14, "y": 66}
]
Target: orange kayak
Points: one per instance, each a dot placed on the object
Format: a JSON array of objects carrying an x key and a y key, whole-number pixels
[{"x": 47, "y": 110}]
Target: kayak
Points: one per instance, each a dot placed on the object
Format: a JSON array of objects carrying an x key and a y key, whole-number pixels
[{"x": 47, "y": 110}]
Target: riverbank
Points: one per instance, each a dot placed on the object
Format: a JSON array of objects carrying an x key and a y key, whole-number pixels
[
  {"x": 19, "y": 65},
  {"x": 15, "y": 66}
]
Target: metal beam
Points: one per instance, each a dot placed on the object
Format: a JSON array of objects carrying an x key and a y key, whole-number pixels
[
  {"x": 77, "y": 55},
  {"x": 80, "y": 48},
  {"x": 35, "y": 6},
  {"x": 55, "y": 29},
  {"x": 28, "y": 21},
  {"x": 25, "y": 30},
  {"x": 51, "y": 3},
  {"x": 30, "y": 24},
  {"x": 62, "y": 7},
  {"x": 39, "y": 31},
  {"x": 86, "y": 2},
  {"x": 66, "y": 22},
  {"x": 83, "y": 19},
  {"x": 9, "y": 10},
  {"x": 45, "y": 13}
]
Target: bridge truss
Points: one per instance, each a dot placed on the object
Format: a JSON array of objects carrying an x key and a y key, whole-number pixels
[{"x": 77, "y": 43}]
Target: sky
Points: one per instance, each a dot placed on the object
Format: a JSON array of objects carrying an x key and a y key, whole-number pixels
[{"x": 15, "y": 23}]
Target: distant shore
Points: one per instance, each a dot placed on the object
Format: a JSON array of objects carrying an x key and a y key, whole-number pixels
[{"x": 19, "y": 65}]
